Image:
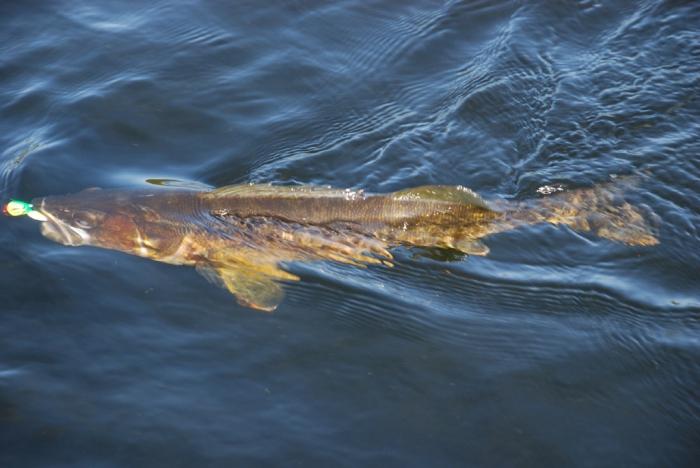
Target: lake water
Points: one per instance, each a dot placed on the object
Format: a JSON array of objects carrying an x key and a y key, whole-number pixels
[{"x": 557, "y": 349}]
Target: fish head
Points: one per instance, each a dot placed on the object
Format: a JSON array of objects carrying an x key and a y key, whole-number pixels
[{"x": 111, "y": 219}]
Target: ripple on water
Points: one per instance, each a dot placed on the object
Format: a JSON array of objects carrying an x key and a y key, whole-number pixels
[
  {"x": 474, "y": 303},
  {"x": 414, "y": 111},
  {"x": 106, "y": 18},
  {"x": 14, "y": 158}
]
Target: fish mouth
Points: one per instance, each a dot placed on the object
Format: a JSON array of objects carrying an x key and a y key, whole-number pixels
[{"x": 58, "y": 231}]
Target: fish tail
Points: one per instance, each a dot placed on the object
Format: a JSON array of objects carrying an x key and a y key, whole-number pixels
[{"x": 601, "y": 210}]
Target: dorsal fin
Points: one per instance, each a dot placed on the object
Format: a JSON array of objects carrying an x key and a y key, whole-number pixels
[
  {"x": 444, "y": 193},
  {"x": 283, "y": 191}
]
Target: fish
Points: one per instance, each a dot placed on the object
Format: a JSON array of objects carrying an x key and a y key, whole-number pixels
[{"x": 242, "y": 237}]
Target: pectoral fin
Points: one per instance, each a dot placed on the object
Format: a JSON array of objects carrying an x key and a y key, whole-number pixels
[{"x": 252, "y": 288}]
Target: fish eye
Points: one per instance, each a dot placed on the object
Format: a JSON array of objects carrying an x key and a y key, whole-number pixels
[{"x": 87, "y": 219}]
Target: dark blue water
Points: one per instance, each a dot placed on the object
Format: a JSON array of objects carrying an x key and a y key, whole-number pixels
[{"x": 557, "y": 349}]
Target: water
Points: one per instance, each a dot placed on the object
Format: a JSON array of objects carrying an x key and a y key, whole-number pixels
[{"x": 558, "y": 349}]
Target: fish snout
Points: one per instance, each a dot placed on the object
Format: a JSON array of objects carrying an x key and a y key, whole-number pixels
[{"x": 53, "y": 228}]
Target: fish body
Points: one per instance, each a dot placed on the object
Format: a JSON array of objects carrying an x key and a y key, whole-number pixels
[{"x": 239, "y": 236}]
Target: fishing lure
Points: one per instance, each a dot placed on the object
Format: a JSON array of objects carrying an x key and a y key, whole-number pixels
[{"x": 20, "y": 208}]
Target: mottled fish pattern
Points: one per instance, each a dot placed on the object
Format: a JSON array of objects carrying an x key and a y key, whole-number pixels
[{"x": 240, "y": 236}]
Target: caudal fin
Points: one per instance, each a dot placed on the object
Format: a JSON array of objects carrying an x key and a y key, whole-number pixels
[{"x": 603, "y": 211}]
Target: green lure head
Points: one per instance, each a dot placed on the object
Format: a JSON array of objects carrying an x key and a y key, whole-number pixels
[{"x": 20, "y": 208}]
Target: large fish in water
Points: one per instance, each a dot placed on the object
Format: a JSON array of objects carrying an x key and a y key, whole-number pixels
[{"x": 239, "y": 236}]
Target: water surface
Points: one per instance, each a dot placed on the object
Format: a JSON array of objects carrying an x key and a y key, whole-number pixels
[{"x": 558, "y": 349}]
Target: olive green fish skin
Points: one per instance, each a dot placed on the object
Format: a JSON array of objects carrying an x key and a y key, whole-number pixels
[{"x": 238, "y": 236}]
